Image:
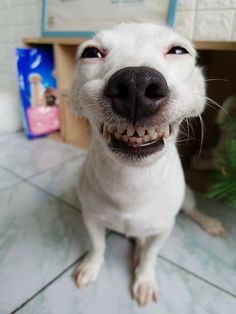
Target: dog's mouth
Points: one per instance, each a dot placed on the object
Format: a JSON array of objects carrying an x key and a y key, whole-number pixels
[{"x": 137, "y": 142}]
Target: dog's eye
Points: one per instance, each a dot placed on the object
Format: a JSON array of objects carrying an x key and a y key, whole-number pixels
[
  {"x": 178, "y": 50},
  {"x": 91, "y": 52}
]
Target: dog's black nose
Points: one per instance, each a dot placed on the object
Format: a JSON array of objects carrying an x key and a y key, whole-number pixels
[{"x": 137, "y": 92}]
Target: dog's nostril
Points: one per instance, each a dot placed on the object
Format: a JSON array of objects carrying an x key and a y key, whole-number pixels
[
  {"x": 123, "y": 91},
  {"x": 153, "y": 91},
  {"x": 118, "y": 90}
]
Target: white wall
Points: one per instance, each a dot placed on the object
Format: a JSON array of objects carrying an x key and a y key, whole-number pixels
[
  {"x": 18, "y": 19},
  {"x": 207, "y": 19}
]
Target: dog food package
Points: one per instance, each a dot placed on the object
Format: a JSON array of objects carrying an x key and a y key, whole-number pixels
[{"x": 38, "y": 90}]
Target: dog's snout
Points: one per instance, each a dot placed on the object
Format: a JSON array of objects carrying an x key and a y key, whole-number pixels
[{"x": 136, "y": 92}]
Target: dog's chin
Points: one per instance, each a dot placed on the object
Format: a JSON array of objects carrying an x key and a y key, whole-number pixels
[{"x": 135, "y": 144}]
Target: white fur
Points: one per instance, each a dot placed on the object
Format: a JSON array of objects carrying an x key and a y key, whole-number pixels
[{"x": 139, "y": 198}]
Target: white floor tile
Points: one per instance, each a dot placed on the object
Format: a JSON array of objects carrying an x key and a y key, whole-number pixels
[
  {"x": 39, "y": 237},
  {"x": 62, "y": 181},
  {"x": 180, "y": 292},
  {"x": 26, "y": 158}
]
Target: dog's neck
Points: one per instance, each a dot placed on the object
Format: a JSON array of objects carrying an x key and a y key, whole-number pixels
[{"x": 105, "y": 162}]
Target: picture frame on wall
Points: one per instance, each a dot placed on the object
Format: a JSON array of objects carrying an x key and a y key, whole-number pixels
[{"x": 82, "y": 18}]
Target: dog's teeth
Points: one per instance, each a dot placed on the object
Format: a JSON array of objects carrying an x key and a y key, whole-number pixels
[
  {"x": 125, "y": 138},
  {"x": 152, "y": 131},
  {"x": 130, "y": 131},
  {"x": 117, "y": 136},
  {"x": 140, "y": 131},
  {"x": 166, "y": 132},
  {"x": 153, "y": 136},
  {"x": 146, "y": 138},
  {"x": 135, "y": 140}
]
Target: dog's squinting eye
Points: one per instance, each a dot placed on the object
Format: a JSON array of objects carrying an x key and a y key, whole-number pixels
[
  {"x": 91, "y": 52},
  {"x": 178, "y": 50}
]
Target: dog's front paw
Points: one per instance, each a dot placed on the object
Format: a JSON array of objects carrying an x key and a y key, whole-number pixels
[
  {"x": 145, "y": 290},
  {"x": 88, "y": 269},
  {"x": 213, "y": 226}
]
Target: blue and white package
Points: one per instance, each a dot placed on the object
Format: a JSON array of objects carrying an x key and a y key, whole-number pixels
[{"x": 38, "y": 91}]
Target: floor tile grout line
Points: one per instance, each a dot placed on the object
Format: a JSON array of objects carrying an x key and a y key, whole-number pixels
[
  {"x": 11, "y": 186},
  {"x": 73, "y": 207},
  {"x": 54, "y": 167},
  {"x": 53, "y": 280},
  {"x": 77, "y": 209},
  {"x": 43, "y": 171},
  {"x": 82, "y": 256},
  {"x": 12, "y": 172},
  {"x": 28, "y": 180},
  {"x": 196, "y": 275},
  {"x": 48, "y": 284},
  {"x": 185, "y": 270}
]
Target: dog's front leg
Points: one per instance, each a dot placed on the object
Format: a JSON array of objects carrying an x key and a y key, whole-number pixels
[
  {"x": 89, "y": 267},
  {"x": 145, "y": 287}
]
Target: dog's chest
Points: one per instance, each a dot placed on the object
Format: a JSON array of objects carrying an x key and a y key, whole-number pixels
[{"x": 144, "y": 214}]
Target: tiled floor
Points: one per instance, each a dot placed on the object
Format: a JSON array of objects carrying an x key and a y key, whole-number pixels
[{"x": 42, "y": 237}]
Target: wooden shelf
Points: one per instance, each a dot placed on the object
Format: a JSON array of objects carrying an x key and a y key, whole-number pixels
[
  {"x": 52, "y": 40},
  {"x": 200, "y": 45},
  {"x": 216, "y": 45}
]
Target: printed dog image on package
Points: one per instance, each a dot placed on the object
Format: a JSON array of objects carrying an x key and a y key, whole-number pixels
[{"x": 38, "y": 90}]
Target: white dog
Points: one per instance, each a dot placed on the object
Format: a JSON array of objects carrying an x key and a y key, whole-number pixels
[{"x": 135, "y": 83}]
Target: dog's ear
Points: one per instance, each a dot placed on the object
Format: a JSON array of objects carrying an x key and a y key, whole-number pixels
[{"x": 199, "y": 91}]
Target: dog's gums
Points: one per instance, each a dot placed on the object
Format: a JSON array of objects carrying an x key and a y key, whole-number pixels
[{"x": 135, "y": 141}]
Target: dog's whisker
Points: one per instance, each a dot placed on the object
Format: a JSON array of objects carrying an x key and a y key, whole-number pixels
[
  {"x": 185, "y": 133},
  {"x": 210, "y": 105},
  {"x": 213, "y": 102},
  {"x": 186, "y": 119},
  {"x": 185, "y": 140},
  {"x": 221, "y": 80},
  {"x": 191, "y": 126},
  {"x": 202, "y": 133}
]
